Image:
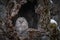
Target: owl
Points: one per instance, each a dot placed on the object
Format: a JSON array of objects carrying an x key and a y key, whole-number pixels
[{"x": 21, "y": 25}]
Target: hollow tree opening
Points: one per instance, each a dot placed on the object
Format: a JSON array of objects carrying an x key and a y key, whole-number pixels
[{"x": 28, "y": 12}]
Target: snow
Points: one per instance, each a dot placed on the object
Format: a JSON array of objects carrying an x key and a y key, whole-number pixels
[
  {"x": 53, "y": 21},
  {"x": 51, "y": 1}
]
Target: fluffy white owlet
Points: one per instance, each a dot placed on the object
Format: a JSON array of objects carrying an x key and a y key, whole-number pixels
[{"x": 21, "y": 25}]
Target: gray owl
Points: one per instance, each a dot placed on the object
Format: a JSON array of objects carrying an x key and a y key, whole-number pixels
[{"x": 21, "y": 26}]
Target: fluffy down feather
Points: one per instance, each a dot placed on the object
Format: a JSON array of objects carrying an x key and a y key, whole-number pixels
[{"x": 21, "y": 25}]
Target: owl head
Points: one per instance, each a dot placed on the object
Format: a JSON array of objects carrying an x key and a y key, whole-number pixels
[{"x": 21, "y": 24}]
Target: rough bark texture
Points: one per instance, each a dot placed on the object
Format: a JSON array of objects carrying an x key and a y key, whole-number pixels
[{"x": 43, "y": 11}]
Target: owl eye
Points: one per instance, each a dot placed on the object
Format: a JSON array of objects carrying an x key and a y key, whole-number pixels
[{"x": 21, "y": 21}]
